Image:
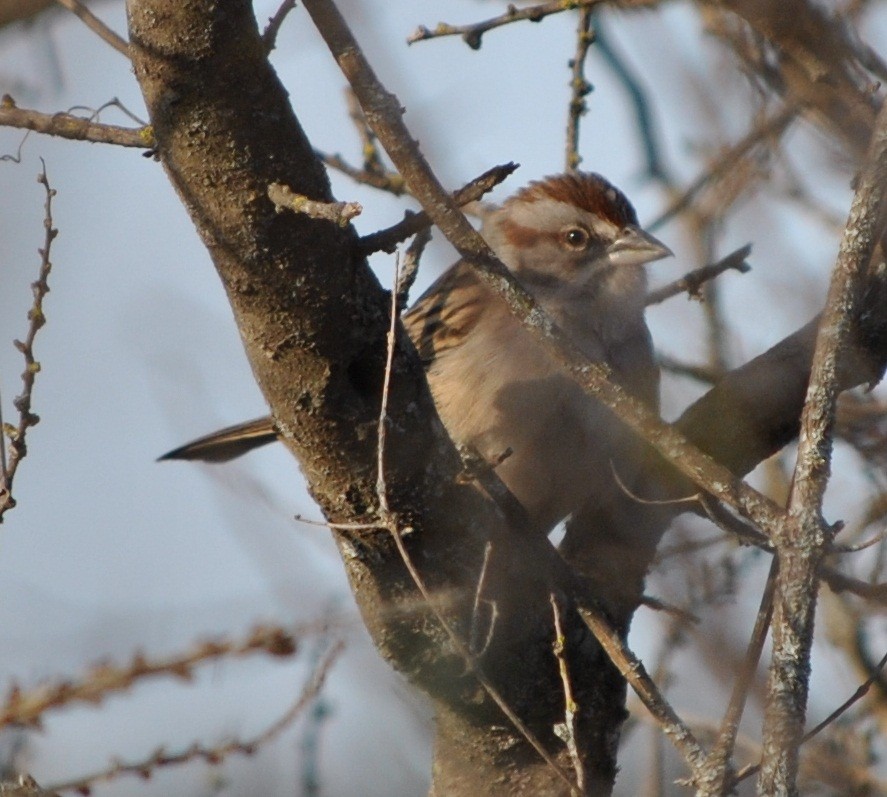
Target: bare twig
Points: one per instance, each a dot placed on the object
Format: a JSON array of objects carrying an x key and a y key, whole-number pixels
[
  {"x": 861, "y": 691},
  {"x": 838, "y": 582},
  {"x": 410, "y": 267},
  {"x": 580, "y": 88},
  {"x": 567, "y": 730},
  {"x": 701, "y": 373},
  {"x": 18, "y": 448},
  {"x": 386, "y": 240},
  {"x": 692, "y": 281},
  {"x": 96, "y": 26},
  {"x": 635, "y": 673},
  {"x": 475, "y": 645},
  {"x": 802, "y": 540},
  {"x": 369, "y": 146},
  {"x": 717, "y": 778},
  {"x": 25, "y": 786},
  {"x": 389, "y": 181},
  {"x": 212, "y": 755},
  {"x": 472, "y": 34},
  {"x": 341, "y": 213},
  {"x": 65, "y": 125},
  {"x": 27, "y": 707},
  {"x": 269, "y": 35}
]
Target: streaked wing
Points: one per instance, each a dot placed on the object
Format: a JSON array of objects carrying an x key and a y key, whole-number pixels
[{"x": 445, "y": 313}]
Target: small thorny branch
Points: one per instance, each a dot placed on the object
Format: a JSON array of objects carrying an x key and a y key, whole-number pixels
[
  {"x": 216, "y": 754},
  {"x": 861, "y": 691},
  {"x": 27, "y": 707},
  {"x": 17, "y": 444}
]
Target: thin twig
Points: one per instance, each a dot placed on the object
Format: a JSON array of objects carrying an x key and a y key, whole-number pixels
[
  {"x": 567, "y": 731},
  {"x": 65, "y": 125},
  {"x": 640, "y": 103},
  {"x": 474, "y": 644},
  {"x": 692, "y": 281},
  {"x": 472, "y": 34},
  {"x": 410, "y": 267},
  {"x": 269, "y": 35},
  {"x": 18, "y": 448},
  {"x": 725, "y": 163},
  {"x": 717, "y": 778},
  {"x": 369, "y": 145},
  {"x": 580, "y": 88},
  {"x": 341, "y": 213},
  {"x": 861, "y": 691},
  {"x": 701, "y": 373},
  {"x": 96, "y": 26},
  {"x": 635, "y": 673},
  {"x": 391, "y": 182},
  {"x": 216, "y": 754},
  {"x": 386, "y": 240}
]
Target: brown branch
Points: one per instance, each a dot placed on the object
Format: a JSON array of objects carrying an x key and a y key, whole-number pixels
[
  {"x": 717, "y": 779},
  {"x": 269, "y": 36},
  {"x": 692, "y": 281},
  {"x": 25, "y": 786},
  {"x": 633, "y": 670},
  {"x": 472, "y": 34},
  {"x": 816, "y": 68},
  {"x": 27, "y": 707},
  {"x": 803, "y": 538},
  {"x": 861, "y": 691},
  {"x": 580, "y": 88},
  {"x": 216, "y": 754},
  {"x": 341, "y": 213},
  {"x": 65, "y": 125},
  {"x": 388, "y": 181},
  {"x": 567, "y": 729},
  {"x": 96, "y": 26},
  {"x": 387, "y": 240},
  {"x": 18, "y": 448}
]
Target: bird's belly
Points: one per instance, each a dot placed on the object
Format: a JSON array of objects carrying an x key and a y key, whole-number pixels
[{"x": 561, "y": 441}]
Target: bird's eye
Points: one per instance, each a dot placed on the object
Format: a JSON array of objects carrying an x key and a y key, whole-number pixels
[{"x": 576, "y": 238}]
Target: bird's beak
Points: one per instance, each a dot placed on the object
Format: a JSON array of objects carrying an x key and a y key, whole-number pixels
[{"x": 634, "y": 247}]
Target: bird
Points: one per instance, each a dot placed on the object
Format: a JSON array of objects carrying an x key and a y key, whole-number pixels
[{"x": 574, "y": 242}]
